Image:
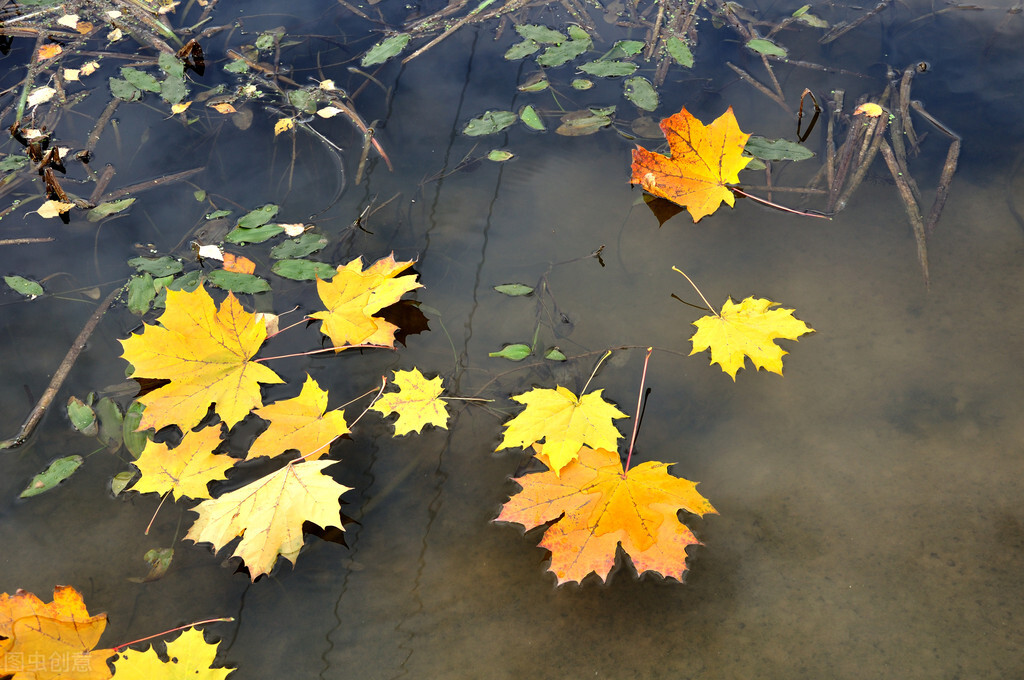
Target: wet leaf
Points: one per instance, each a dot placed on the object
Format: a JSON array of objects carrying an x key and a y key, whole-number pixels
[
  {"x": 173, "y": 91},
  {"x": 541, "y": 34},
  {"x": 704, "y": 159},
  {"x": 563, "y": 422},
  {"x": 257, "y": 217},
  {"x": 238, "y": 264},
  {"x": 531, "y": 119},
  {"x": 640, "y": 91},
  {"x": 122, "y": 89},
  {"x": 11, "y": 162},
  {"x": 514, "y": 289},
  {"x": 216, "y": 214},
  {"x": 521, "y": 49},
  {"x": 49, "y": 51},
  {"x": 306, "y": 244},
  {"x": 747, "y": 329},
  {"x": 302, "y": 100},
  {"x": 580, "y": 123},
  {"x": 40, "y": 95},
  {"x": 160, "y": 266},
  {"x": 556, "y": 55},
  {"x": 268, "y": 514},
  {"x": 582, "y": 84},
  {"x": 417, "y": 403},
  {"x": 554, "y": 354},
  {"x": 303, "y": 270},
  {"x": 108, "y": 208},
  {"x": 869, "y": 109},
  {"x": 595, "y": 508},
  {"x": 206, "y": 354},
  {"x": 141, "y": 292},
  {"x": 302, "y": 423},
  {"x": 20, "y": 284},
  {"x": 186, "y": 470},
  {"x": 608, "y": 69},
  {"x": 159, "y": 560},
  {"x": 240, "y": 235},
  {"x": 489, "y": 123},
  {"x": 767, "y": 48},
  {"x": 516, "y": 352},
  {"x": 51, "y": 209},
  {"x": 171, "y": 65},
  {"x": 189, "y": 656},
  {"x": 386, "y": 49},
  {"x": 57, "y": 472},
  {"x": 776, "y": 149},
  {"x": 120, "y": 481},
  {"x": 806, "y": 17},
  {"x": 111, "y": 423},
  {"x": 499, "y": 155},
  {"x": 83, "y": 417},
  {"x": 623, "y": 49},
  {"x": 134, "y": 440},
  {"x": 680, "y": 51},
  {"x": 237, "y": 282},
  {"x": 535, "y": 83},
  {"x": 140, "y": 79}
]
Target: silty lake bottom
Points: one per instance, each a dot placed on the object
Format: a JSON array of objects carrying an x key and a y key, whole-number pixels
[{"x": 871, "y": 501}]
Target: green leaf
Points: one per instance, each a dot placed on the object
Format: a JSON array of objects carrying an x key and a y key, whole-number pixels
[
  {"x": 188, "y": 283},
  {"x": 680, "y": 51},
  {"x": 141, "y": 292},
  {"x": 530, "y": 118},
  {"x": 556, "y": 55},
  {"x": 640, "y": 91},
  {"x": 304, "y": 270},
  {"x": 385, "y": 49},
  {"x": 582, "y": 84},
  {"x": 513, "y": 352},
  {"x": 803, "y": 15},
  {"x": 608, "y": 69},
  {"x": 499, "y": 155},
  {"x": 199, "y": 195},
  {"x": 108, "y": 208},
  {"x": 22, "y": 285},
  {"x": 111, "y": 423},
  {"x": 134, "y": 440},
  {"x": 766, "y": 47},
  {"x": 304, "y": 245},
  {"x": 237, "y": 282},
  {"x": 140, "y": 79},
  {"x": 623, "y": 49},
  {"x": 580, "y": 123},
  {"x": 83, "y": 418},
  {"x": 776, "y": 149},
  {"x": 489, "y": 123},
  {"x": 521, "y": 49},
  {"x": 535, "y": 83},
  {"x": 120, "y": 481},
  {"x": 122, "y": 89},
  {"x": 171, "y": 65},
  {"x": 12, "y": 162},
  {"x": 160, "y": 266},
  {"x": 514, "y": 289},
  {"x": 173, "y": 90},
  {"x": 241, "y": 235},
  {"x": 257, "y": 217},
  {"x": 217, "y": 214},
  {"x": 265, "y": 41},
  {"x": 159, "y": 560},
  {"x": 541, "y": 34},
  {"x": 554, "y": 354},
  {"x": 59, "y": 470},
  {"x": 303, "y": 101},
  {"x": 236, "y": 66}
]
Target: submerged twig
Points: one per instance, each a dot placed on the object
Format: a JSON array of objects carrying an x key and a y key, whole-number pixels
[{"x": 913, "y": 211}]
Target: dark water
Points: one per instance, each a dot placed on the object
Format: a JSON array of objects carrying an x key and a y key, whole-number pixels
[{"x": 871, "y": 515}]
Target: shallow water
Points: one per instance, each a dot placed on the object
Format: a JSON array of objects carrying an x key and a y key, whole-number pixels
[{"x": 871, "y": 521}]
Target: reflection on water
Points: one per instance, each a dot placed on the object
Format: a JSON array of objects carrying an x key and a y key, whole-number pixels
[{"x": 871, "y": 517}]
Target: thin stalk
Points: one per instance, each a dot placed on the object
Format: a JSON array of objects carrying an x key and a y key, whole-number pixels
[
  {"x": 639, "y": 402},
  {"x": 710, "y": 306},
  {"x": 321, "y": 351},
  {"x": 607, "y": 354},
  {"x": 226, "y": 619}
]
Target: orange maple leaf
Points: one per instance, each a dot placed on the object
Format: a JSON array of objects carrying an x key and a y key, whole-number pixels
[
  {"x": 300, "y": 423},
  {"x": 51, "y": 641},
  {"x": 704, "y": 159},
  {"x": 238, "y": 263},
  {"x": 206, "y": 354},
  {"x": 186, "y": 469},
  {"x": 598, "y": 508},
  {"x": 353, "y": 296}
]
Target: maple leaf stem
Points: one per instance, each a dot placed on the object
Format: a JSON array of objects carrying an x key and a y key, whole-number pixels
[
  {"x": 155, "y": 513},
  {"x": 297, "y": 323},
  {"x": 710, "y": 306},
  {"x": 607, "y": 354},
  {"x": 321, "y": 351},
  {"x": 383, "y": 384},
  {"x": 226, "y": 619},
  {"x": 783, "y": 208},
  {"x": 639, "y": 401}
]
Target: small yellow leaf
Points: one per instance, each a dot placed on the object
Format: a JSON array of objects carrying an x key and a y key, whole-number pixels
[
  {"x": 181, "y": 107},
  {"x": 869, "y": 109},
  {"x": 114, "y": 35},
  {"x": 71, "y": 74},
  {"x": 417, "y": 404},
  {"x": 328, "y": 112},
  {"x": 283, "y": 125},
  {"x": 84, "y": 27},
  {"x": 293, "y": 230},
  {"x": 210, "y": 252},
  {"x": 186, "y": 469},
  {"x": 223, "y": 108},
  {"x": 49, "y": 51},
  {"x": 747, "y": 329},
  {"x": 89, "y": 67},
  {"x": 113, "y": 14},
  {"x": 40, "y": 95},
  {"x": 69, "y": 20},
  {"x": 54, "y": 208},
  {"x": 327, "y": 85}
]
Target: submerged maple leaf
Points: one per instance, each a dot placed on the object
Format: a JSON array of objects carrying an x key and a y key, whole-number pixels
[
  {"x": 597, "y": 508},
  {"x": 268, "y": 514},
  {"x": 747, "y": 329},
  {"x": 353, "y": 296},
  {"x": 206, "y": 354},
  {"x": 704, "y": 159},
  {"x": 564, "y": 423},
  {"x": 301, "y": 423},
  {"x": 51, "y": 641},
  {"x": 189, "y": 656},
  {"x": 417, "y": 404},
  {"x": 186, "y": 469}
]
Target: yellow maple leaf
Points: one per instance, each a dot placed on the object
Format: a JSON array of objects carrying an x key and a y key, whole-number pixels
[
  {"x": 417, "y": 404},
  {"x": 190, "y": 657},
  {"x": 747, "y": 329},
  {"x": 283, "y": 125},
  {"x": 598, "y": 507},
  {"x": 704, "y": 159},
  {"x": 300, "y": 423},
  {"x": 206, "y": 354},
  {"x": 268, "y": 514},
  {"x": 353, "y": 296},
  {"x": 564, "y": 423},
  {"x": 186, "y": 469},
  {"x": 51, "y": 641}
]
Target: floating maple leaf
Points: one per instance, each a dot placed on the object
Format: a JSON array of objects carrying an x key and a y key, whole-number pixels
[
  {"x": 597, "y": 508},
  {"x": 564, "y": 423},
  {"x": 300, "y": 423},
  {"x": 51, "y": 641},
  {"x": 417, "y": 404},
  {"x": 186, "y": 469},
  {"x": 268, "y": 514},
  {"x": 189, "y": 656},
  {"x": 747, "y": 329},
  {"x": 704, "y": 159},
  {"x": 206, "y": 354},
  {"x": 353, "y": 296}
]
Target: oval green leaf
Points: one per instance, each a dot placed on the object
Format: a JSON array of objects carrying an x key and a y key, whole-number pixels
[
  {"x": 139, "y": 79},
  {"x": 156, "y": 266},
  {"x": 640, "y": 91},
  {"x": 386, "y": 49},
  {"x": 22, "y": 285},
  {"x": 108, "y": 208},
  {"x": 582, "y": 84},
  {"x": 680, "y": 51},
  {"x": 304, "y": 270},
  {"x": 241, "y": 235},
  {"x": 554, "y": 354},
  {"x": 499, "y": 155},
  {"x": 767, "y": 48},
  {"x": 776, "y": 149},
  {"x": 513, "y": 352},
  {"x": 489, "y": 123},
  {"x": 304, "y": 245},
  {"x": 237, "y": 282},
  {"x": 541, "y": 34},
  {"x": 531, "y": 118},
  {"x": 83, "y": 418},
  {"x": 111, "y": 423},
  {"x": 257, "y": 217},
  {"x": 514, "y": 289},
  {"x": 57, "y": 472},
  {"x": 608, "y": 69},
  {"x": 134, "y": 440},
  {"x": 521, "y": 49}
]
